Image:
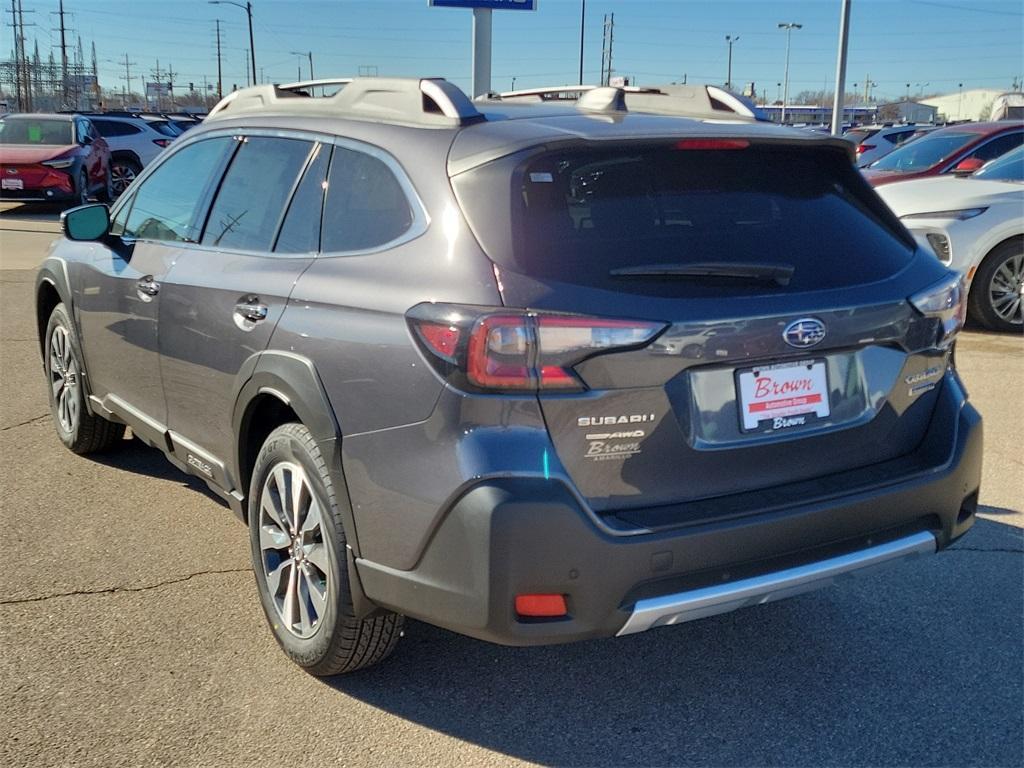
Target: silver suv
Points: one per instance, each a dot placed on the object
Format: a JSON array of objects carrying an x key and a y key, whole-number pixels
[{"x": 538, "y": 368}]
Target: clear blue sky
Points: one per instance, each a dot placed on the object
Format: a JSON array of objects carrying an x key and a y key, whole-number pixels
[{"x": 932, "y": 44}]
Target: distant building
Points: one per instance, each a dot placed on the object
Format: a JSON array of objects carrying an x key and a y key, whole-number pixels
[
  {"x": 907, "y": 112},
  {"x": 975, "y": 104}
]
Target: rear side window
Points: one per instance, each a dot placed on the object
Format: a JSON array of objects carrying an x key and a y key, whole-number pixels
[
  {"x": 168, "y": 205},
  {"x": 300, "y": 232},
  {"x": 366, "y": 206},
  {"x": 577, "y": 216},
  {"x": 252, "y": 197},
  {"x": 110, "y": 128}
]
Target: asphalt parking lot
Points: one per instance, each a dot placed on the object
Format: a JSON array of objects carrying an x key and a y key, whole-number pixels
[{"x": 131, "y": 633}]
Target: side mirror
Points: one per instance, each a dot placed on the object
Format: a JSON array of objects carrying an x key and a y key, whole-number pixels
[
  {"x": 86, "y": 222},
  {"x": 967, "y": 166},
  {"x": 86, "y": 140}
]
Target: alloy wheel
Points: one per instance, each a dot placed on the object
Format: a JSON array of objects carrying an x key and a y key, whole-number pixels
[
  {"x": 294, "y": 554},
  {"x": 121, "y": 175},
  {"x": 1006, "y": 289},
  {"x": 64, "y": 379}
]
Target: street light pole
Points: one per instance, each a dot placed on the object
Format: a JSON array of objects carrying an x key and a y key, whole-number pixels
[
  {"x": 730, "y": 40},
  {"x": 252, "y": 43},
  {"x": 309, "y": 55},
  {"x": 840, "y": 94},
  {"x": 583, "y": 20},
  {"x": 789, "y": 26}
]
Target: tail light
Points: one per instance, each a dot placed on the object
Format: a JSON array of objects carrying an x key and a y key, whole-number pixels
[
  {"x": 496, "y": 350},
  {"x": 946, "y": 303},
  {"x": 161, "y": 142},
  {"x": 862, "y": 148}
]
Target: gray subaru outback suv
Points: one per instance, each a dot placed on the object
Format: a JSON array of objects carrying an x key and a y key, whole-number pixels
[{"x": 535, "y": 368}]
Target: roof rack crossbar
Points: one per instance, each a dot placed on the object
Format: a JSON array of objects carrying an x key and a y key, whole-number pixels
[
  {"x": 698, "y": 101},
  {"x": 420, "y": 101}
]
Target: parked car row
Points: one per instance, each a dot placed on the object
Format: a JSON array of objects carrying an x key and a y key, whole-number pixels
[{"x": 68, "y": 158}]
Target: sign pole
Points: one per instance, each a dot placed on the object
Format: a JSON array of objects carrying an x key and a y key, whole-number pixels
[{"x": 481, "y": 51}]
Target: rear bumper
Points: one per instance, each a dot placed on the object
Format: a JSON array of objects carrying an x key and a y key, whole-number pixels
[{"x": 510, "y": 536}]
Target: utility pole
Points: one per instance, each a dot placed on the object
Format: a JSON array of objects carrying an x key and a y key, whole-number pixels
[
  {"x": 156, "y": 75},
  {"x": 730, "y": 40},
  {"x": 789, "y": 26},
  {"x": 960, "y": 102},
  {"x": 607, "y": 43},
  {"x": 583, "y": 20},
  {"x": 220, "y": 79},
  {"x": 17, "y": 59},
  {"x": 127, "y": 78},
  {"x": 840, "y": 94},
  {"x": 63, "y": 57}
]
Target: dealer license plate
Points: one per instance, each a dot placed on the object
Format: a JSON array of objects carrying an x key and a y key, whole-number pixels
[{"x": 783, "y": 395}]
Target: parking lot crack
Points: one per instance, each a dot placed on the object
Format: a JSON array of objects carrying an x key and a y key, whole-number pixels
[
  {"x": 988, "y": 549},
  {"x": 33, "y": 420},
  {"x": 115, "y": 590}
]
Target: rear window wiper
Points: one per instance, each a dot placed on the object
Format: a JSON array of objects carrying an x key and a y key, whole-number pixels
[{"x": 780, "y": 274}]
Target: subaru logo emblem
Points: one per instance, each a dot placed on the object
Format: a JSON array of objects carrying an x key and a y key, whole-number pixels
[{"x": 803, "y": 333}]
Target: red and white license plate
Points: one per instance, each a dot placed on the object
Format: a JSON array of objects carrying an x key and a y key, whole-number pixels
[
  {"x": 12, "y": 183},
  {"x": 784, "y": 394}
]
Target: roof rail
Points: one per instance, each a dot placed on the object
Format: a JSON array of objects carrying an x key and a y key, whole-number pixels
[
  {"x": 416, "y": 101},
  {"x": 699, "y": 101}
]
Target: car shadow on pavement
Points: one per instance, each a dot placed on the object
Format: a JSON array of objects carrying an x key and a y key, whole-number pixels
[
  {"x": 919, "y": 664},
  {"x": 138, "y": 458}
]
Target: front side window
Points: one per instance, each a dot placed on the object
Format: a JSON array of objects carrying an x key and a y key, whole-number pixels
[
  {"x": 366, "y": 206},
  {"x": 998, "y": 146},
  {"x": 256, "y": 187},
  {"x": 169, "y": 205}
]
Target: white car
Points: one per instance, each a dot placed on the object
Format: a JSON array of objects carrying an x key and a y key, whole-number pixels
[
  {"x": 135, "y": 141},
  {"x": 975, "y": 224},
  {"x": 876, "y": 141}
]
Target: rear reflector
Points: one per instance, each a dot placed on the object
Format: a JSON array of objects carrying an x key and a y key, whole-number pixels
[
  {"x": 712, "y": 144},
  {"x": 541, "y": 606}
]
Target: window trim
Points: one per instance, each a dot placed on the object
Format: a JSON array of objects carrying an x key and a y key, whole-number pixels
[{"x": 420, "y": 217}]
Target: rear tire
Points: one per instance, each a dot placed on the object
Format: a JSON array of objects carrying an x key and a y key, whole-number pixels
[
  {"x": 995, "y": 300},
  {"x": 299, "y": 559},
  {"x": 79, "y": 430},
  {"x": 123, "y": 172}
]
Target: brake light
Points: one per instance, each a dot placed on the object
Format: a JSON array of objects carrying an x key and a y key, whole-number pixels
[
  {"x": 862, "y": 148},
  {"x": 945, "y": 302},
  {"x": 161, "y": 142},
  {"x": 712, "y": 144},
  {"x": 501, "y": 350}
]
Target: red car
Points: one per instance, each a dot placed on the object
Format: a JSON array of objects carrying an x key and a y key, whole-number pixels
[
  {"x": 961, "y": 148},
  {"x": 53, "y": 158}
]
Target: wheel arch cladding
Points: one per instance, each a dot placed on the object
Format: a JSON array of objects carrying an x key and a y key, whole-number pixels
[
  {"x": 47, "y": 299},
  {"x": 283, "y": 388}
]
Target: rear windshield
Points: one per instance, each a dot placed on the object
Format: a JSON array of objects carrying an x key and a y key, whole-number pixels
[
  {"x": 859, "y": 135},
  {"x": 579, "y": 215},
  {"x": 30, "y": 130},
  {"x": 924, "y": 152}
]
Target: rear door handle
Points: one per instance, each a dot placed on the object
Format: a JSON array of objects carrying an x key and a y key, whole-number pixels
[
  {"x": 251, "y": 311},
  {"x": 148, "y": 288}
]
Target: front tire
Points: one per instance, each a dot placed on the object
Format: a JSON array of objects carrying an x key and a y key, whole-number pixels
[
  {"x": 996, "y": 296},
  {"x": 79, "y": 430},
  {"x": 299, "y": 559}
]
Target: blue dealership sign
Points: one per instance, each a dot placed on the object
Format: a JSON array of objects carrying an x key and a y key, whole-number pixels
[{"x": 494, "y": 5}]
